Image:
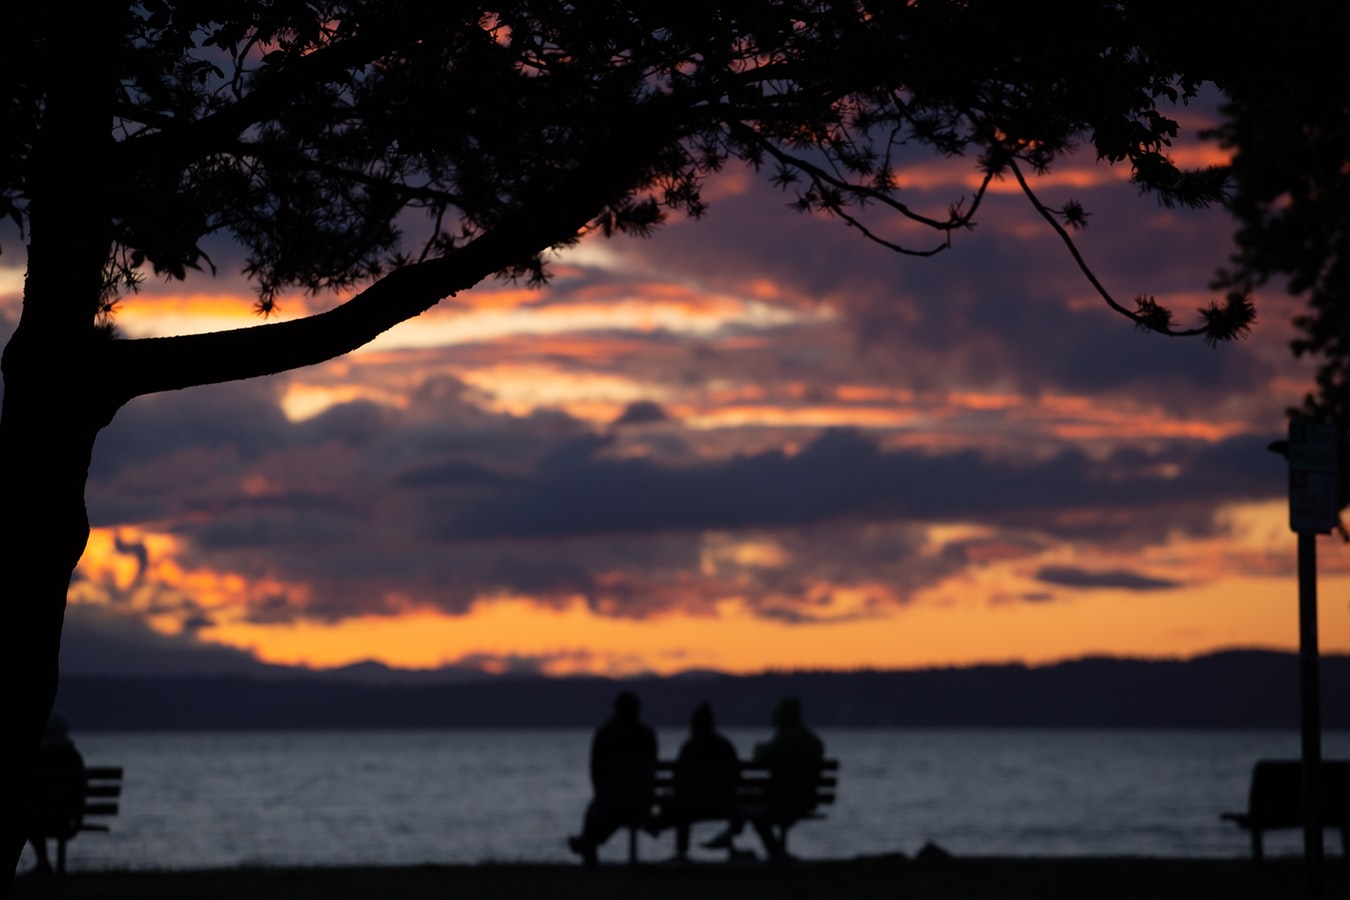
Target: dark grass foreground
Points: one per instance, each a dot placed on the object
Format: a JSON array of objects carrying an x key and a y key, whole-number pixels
[{"x": 889, "y": 877}]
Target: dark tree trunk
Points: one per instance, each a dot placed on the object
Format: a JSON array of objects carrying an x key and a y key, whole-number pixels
[
  {"x": 44, "y": 457},
  {"x": 54, "y": 406},
  {"x": 53, "y": 409},
  {"x": 54, "y": 372}
]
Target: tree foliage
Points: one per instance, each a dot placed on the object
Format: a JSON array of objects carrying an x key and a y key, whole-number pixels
[
  {"x": 311, "y": 132},
  {"x": 1287, "y": 121}
]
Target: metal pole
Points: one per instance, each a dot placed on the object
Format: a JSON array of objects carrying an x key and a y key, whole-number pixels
[{"x": 1311, "y": 718}]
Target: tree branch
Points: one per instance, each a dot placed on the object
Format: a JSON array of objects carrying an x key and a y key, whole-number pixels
[
  {"x": 1150, "y": 317},
  {"x": 825, "y": 179},
  {"x": 554, "y": 217}
]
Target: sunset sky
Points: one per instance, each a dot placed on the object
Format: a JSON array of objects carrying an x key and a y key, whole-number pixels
[{"x": 752, "y": 442}]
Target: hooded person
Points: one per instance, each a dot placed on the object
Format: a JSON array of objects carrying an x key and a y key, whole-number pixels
[
  {"x": 793, "y": 754},
  {"x": 792, "y": 742},
  {"x": 706, "y": 772},
  {"x": 623, "y": 768}
]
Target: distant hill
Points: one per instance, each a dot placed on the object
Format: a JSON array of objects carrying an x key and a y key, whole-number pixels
[{"x": 1236, "y": 689}]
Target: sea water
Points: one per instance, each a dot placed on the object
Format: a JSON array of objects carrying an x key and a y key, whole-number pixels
[{"x": 311, "y": 798}]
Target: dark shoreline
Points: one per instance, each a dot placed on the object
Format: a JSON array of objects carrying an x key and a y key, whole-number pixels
[
  {"x": 888, "y": 877},
  {"x": 1228, "y": 690}
]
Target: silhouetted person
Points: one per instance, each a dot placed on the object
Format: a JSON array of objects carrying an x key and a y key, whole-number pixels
[
  {"x": 59, "y": 806},
  {"x": 706, "y": 772},
  {"x": 623, "y": 763},
  {"x": 793, "y": 754}
]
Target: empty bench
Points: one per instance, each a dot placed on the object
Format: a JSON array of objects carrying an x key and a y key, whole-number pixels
[
  {"x": 754, "y": 798},
  {"x": 1276, "y": 800},
  {"x": 102, "y": 788}
]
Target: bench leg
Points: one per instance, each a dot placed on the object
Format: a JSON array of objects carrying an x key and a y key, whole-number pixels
[
  {"x": 60, "y": 856},
  {"x": 632, "y": 845},
  {"x": 1258, "y": 850}
]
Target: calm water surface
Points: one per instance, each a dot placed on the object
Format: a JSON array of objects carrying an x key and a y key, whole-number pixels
[{"x": 193, "y": 800}]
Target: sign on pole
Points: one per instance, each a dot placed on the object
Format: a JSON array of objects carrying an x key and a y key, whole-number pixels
[{"x": 1314, "y": 505}]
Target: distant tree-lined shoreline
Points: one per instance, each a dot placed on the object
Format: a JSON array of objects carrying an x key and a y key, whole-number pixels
[{"x": 1234, "y": 689}]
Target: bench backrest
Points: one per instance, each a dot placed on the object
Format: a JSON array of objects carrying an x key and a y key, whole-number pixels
[
  {"x": 756, "y": 780},
  {"x": 1276, "y": 798},
  {"x": 63, "y": 813}
]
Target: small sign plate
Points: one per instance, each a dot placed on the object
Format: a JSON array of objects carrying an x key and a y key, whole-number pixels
[{"x": 1314, "y": 506}]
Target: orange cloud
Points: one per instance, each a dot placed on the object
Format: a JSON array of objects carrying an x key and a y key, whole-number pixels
[
  {"x": 300, "y": 401},
  {"x": 139, "y": 573},
  {"x": 806, "y": 416}
]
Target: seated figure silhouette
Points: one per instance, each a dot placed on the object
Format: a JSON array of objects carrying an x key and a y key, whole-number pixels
[
  {"x": 793, "y": 754},
  {"x": 704, "y": 787},
  {"x": 58, "y": 790},
  {"x": 623, "y": 763}
]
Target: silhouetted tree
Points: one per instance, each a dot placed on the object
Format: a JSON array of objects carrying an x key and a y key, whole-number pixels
[
  {"x": 132, "y": 134},
  {"x": 1287, "y": 122}
]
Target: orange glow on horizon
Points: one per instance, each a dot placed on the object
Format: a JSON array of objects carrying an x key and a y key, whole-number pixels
[{"x": 942, "y": 628}]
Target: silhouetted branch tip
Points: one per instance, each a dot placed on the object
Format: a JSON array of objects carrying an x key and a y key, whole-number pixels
[
  {"x": 1074, "y": 215},
  {"x": 1230, "y": 320},
  {"x": 1150, "y": 315}
]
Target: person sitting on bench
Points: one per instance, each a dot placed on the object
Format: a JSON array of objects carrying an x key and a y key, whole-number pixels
[
  {"x": 793, "y": 755},
  {"x": 58, "y": 789},
  {"x": 623, "y": 766},
  {"x": 704, "y": 780}
]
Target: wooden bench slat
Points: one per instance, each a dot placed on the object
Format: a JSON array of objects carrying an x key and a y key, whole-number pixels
[
  {"x": 745, "y": 765},
  {"x": 100, "y": 809},
  {"x": 99, "y": 772}
]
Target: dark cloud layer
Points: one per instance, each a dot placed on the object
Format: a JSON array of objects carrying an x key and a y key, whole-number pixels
[
  {"x": 1069, "y": 576},
  {"x": 98, "y": 641},
  {"x": 576, "y": 490}
]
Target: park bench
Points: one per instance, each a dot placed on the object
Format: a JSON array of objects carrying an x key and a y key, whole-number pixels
[
  {"x": 1276, "y": 800},
  {"x": 102, "y": 787},
  {"x": 752, "y": 799}
]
